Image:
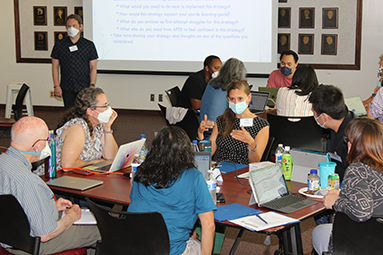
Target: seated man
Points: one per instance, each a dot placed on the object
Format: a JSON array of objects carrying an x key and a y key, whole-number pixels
[
  {"x": 331, "y": 112},
  {"x": 283, "y": 77},
  {"x": 195, "y": 85},
  {"x": 29, "y": 143}
]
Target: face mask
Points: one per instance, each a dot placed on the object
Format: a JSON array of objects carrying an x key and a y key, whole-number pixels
[
  {"x": 46, "y": 152},
  {"x": 286, "y": 71},
  {"x": 238, "y": 108},
  {"x": 103, "y": 117},
  {"x": 72, "y": 32},
  {"x": 379, "y": 84},
  {"x": 215, "y": 74},
  {"x": 322, "y": 126}
]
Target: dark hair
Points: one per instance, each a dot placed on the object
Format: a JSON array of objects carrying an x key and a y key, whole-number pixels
[
  {"x": 305, "y": 80},
  {"x": 228, "y": 117},
  {"x": 76, "y": 17},
  {"x": 288, "y": 53},
  {"x": 328, "y": 99},
  {"x": 171, "y": 154},
  {"x": 366, "y": 138},
  {"x": 86, "y": 98},
  {"x": 232, "y": 69},
  {"x": 209, "y": 59}
]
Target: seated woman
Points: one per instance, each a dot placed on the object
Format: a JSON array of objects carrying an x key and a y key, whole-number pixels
[
  {"x": 84, "y": 135},
  {"x": 238, "y": 136},
  {"x": 360, "y": 196},
  {"x": 168, "y": 182},
  {"x": 293, "y": 101},
  {"x": 213, "y": 102}
]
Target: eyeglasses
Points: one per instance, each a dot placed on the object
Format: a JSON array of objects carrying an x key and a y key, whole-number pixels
[
  {"x": 49, "y": 140},
  {"x": 102, "y": 106},
  {"x": 346, "y": 140}
]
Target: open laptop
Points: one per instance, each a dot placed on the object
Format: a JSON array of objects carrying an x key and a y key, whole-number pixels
[
  {"x": 304, "y": 161},
  {"x": 273, "y": 95},
  {"x": 74, "y": 183},
  {"x": 355, "y": 105},
  {"x": 203, "y": 161},
  {"x": 258, "y": 101},
  {"x": 124, "y": 157},
  {"x": 270, "y": 190}
]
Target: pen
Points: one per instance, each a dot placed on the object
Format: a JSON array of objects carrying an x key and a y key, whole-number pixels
[{"x": 261, "y": 218}]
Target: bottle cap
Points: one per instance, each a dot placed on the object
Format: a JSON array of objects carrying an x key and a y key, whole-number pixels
[
  {"x": 313, "y": 171},
  {"x": 287, "y": 148},
  {"x": 195, "y": 142},
  {"x": 280, "y": 145},
  {"x": 142, "y": 136}
]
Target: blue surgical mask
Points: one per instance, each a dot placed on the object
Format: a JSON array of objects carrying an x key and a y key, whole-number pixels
[
  {"x": 238, "y": 108},
  {"x": 322, "y": 126},
  {"x": 286, "y": 71},
  {"x": 46, "y": 152}
]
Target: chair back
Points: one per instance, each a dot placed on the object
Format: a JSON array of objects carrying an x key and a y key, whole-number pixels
[
  {"x": 351, "y": 237},
  {"x": 130, "y": 233},
  {"x": 302, "y": 134},
  {"x": 266, "y": 153},
  {"x": 14, "y": 226},
  {"x": 18, "y": 106},
  {"x": 173, "y": 95}
]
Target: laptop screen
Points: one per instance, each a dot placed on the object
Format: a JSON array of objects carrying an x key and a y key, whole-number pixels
[
  {"x": 258, "y": 101},
  {"x": 203, "y": 161}
]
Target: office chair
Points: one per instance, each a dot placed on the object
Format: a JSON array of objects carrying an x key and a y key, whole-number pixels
[
  {"x": 15, "y": 229},
  {"x": 303, "y": 134},
  {"x": 130, "y": 233},
  {"x": 173, "y": 95},
  {"x": 266, "y": 153}
]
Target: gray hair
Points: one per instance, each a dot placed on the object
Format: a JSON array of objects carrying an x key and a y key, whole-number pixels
[
  {"x": 381, "y": 56},
  {"x": 232, "y": 69}
]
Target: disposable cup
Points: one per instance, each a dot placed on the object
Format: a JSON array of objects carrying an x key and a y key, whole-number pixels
[
  {"x": 205, "y": 145},
  {"x": 325, "y": 168}
]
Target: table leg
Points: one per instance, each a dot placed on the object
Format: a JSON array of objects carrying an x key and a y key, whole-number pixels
[
  {"x": 236, "y": 242},
  {"x": 292, "y": 241}
]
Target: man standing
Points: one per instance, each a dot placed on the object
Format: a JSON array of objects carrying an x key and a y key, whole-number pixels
[
  {"x": 195, "y": 85},
  {"x": 77, "y": 58},
  {"x": 283, "y": 77},
  {"x": 29, "y": 143},
  {"x": 331, "y": 112}
]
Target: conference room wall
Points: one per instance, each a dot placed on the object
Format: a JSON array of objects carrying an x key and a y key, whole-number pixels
[{"x": 133, "y": 91}]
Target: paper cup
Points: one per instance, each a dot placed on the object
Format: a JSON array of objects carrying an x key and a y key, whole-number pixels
[{"x": 325, "y": 168}]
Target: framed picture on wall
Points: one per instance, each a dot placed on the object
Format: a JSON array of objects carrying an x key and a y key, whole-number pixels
[
  {"x": 306, "y": 17},
  {"x": 329, "y": 44},
  {"x": 60, "y": 35},
  {"x": 330, "y": 18},
  {"x": 78, "y": 11},
  {"x": 284, "y": 17},
  {"x": 41, "y": 40},
  {"x": 59, "y": 15},
  {"x": 39, "y": 15},
  {"x": 283, "y": 42},
  {"x": 306, "y": 44}
]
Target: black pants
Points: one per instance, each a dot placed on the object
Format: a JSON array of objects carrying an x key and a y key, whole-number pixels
[{"x": 69, "y": 97}]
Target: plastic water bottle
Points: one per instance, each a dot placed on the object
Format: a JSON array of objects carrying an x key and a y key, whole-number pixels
[
  {"x": 212, "y": 185},
  {"x": 313, "y": 181},
  {"x": 195, "y": 146},
  {"x": 135, "y": 163},
  {"x": 278, "y": 154},
  {"x": 50, "y": 162},
  {"x": 287, "y": 163},
  {"x": 144, "y": 149}
]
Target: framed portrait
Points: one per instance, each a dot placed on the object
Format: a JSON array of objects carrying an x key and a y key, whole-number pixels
[
  {"x": 39, "y": 15},
  {"x": 283, "y": 42},
  {"x": 306, "y": 17},
  {"x": 329, "y": 44},
  {"x": 59, "y": 36},
  {"x": 282, "y": 1},
  {"x": 41, "y": 40},
  {"x": 330, "y": 18},
  {"x": 78, "y": 11},
  {"x": 284, "y": 17},
  {"x": 59, "y": 15},
  {"x": 306, "y": 44}
]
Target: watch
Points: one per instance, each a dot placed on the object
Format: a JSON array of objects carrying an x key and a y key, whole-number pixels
[{"x": 253, "y": 150}]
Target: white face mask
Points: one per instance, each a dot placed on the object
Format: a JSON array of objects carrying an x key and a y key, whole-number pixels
[
  {"x": 46, "y": 152},
  {"x": 103, "y": 117},
  {"x": 72, "y": 32},
  {"x": 215, "y": 74}
]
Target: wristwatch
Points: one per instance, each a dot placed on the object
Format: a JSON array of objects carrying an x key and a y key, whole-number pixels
[{"x": 253, "y": 150}]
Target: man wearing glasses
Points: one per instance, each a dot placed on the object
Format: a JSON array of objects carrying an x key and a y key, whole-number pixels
[{"x": 30, "y": 143}]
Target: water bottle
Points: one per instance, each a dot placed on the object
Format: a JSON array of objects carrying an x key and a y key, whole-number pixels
[
  {"x": 144, "y": 149},
  {"x": 135, "y": 163},
  {"x": 313, "y": 181},
  {"x": 212, "y": 185},
  {"x": 195, "y": 146},
  {"x": 278, "y": 154},
  {"x": 50, "y": 162},
  {"x": 287, "y": 163}
]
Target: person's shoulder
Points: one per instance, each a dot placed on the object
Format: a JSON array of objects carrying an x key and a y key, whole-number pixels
[
  {"x": 197, "y": 76},
  {"x": 275, "y": 73},
  {"x": 84, "y": 40},
  {"x": 261, "y": 121}
]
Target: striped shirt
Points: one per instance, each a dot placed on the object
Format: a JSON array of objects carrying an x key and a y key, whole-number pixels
[{"x": 290, "y": 104}]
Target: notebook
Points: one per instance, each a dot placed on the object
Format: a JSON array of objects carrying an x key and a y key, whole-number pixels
[
  {"x": 273, "y": 95},
  {"x": 203, "y": 161},
  {"x": 304, "y": 161},
  {"x": 258, "y": 101},
  {"x": 74, "y": 183},
  {"x": 124, "y": 157},
  {"x": 270, "y": 190},
  {"x": 355, "y": 105}
]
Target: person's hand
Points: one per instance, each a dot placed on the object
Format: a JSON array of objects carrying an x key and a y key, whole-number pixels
[
  {"x": 74, "y": 212},
  {"x": 95, "y": 161},
  {"x": 205, "y": 125},
  {"x": 243, "y": 136},
  {"x": 113, "y": 117},
  {"x": 330, "y": 198},
  {"x": 62, "y": 204},
  {"x": 58, "y": 91}
]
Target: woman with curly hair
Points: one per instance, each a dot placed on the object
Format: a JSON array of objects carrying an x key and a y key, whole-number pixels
[{"x": 84, "y": 135}]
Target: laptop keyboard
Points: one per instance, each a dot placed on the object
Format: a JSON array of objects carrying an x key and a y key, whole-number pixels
[{"x": 283, "y": 202}]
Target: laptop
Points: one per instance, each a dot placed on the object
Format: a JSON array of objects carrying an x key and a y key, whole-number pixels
[
  {"x": 355, "y": 105},
  {"x": 124, "y": 157},
  {"x": 273, "y": 95},
  {"x": 304, "y": 161},
  {"x": 270, "y": 190},
  {"x": 74, "y": 183},
  {"x": 258, "y": 101},
  {"x": 203, "y": 161}
]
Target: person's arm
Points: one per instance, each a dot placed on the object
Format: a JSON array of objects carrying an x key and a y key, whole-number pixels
[
  {"x": 55, "y": 76},
  {"x": 271, "y": 81},
  {"x": 196, "y": 104},
  {"x": 109, "y": 145},
  {"x": 207, "y": 232},
  {"x": 375, "y": 109},
  {"x": 93, "y": 71},
  {"x": 62, "y": 204},
  {"x": 213, "y": 139}
]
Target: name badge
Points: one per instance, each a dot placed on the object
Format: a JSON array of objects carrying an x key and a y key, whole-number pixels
[
  {"x": 98, "y": 145},
  {"x": 73, "y": 48},
  {"x": 246, "y": 122}
]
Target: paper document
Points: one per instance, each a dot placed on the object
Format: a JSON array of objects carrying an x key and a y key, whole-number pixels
[
  {"x": 87, "y": 218},
  {"x": 256, "y": 223}
]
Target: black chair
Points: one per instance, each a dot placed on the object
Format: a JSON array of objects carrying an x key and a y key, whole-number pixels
[
  {"x": 302, "y": 134},
  {"x": 15, "y": 228},
  {"x": 173, "y": 95},
  {"x": 130, "y": 233},
  {"x": 266, "y": 153}
]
